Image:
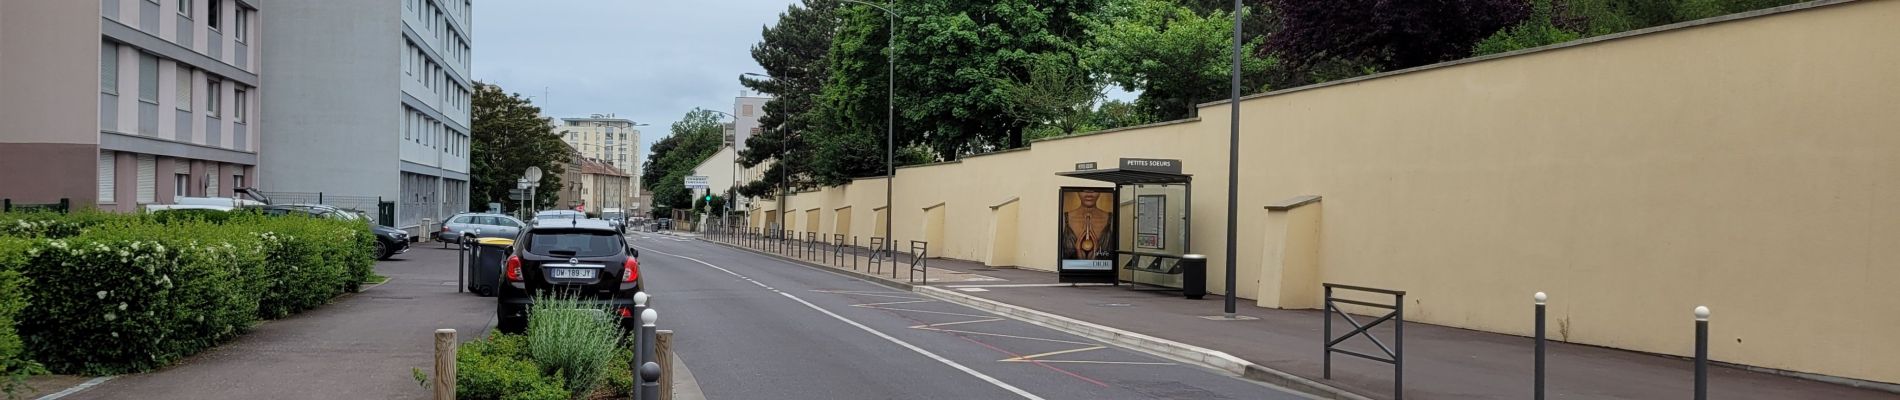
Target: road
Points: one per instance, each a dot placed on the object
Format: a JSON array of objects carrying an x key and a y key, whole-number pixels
[{"x": 757, "y": 327}]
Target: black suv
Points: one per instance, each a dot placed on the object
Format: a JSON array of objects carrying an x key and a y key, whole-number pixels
[{"x": 568, "y": 257}]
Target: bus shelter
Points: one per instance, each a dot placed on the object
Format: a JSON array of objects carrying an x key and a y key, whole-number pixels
[{"x": 1148, "y": 216}]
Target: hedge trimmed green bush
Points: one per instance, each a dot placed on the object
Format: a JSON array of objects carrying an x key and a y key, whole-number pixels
[
  {"x": 118, "y": 293},
  {"x": 14, "y": 366}
]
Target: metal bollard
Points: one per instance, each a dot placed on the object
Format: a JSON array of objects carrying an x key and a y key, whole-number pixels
[
  {"x": 640, "y": 345},
  {"x": 1539, "y": 385},
  {"x": 649, "y": 382},
  {"x": 1701, "y": 353}
]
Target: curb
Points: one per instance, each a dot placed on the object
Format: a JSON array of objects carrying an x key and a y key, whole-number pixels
[
  {"x": 808, "y": 264},
  {"x": 1148, "y": 344}
]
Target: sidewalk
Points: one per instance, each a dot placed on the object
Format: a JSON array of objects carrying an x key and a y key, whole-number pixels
[
  {"x": 1440, "y": 362},
  {"x": 361, "y": 346}
]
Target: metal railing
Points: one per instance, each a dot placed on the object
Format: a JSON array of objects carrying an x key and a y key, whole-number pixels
[
  {"x": 1394, "y": 355},
  {"x": 876, "y": 264},
  {"x": 919, "y": 260}
]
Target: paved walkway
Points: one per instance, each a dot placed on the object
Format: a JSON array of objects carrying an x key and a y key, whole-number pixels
[
  {"x": 1441, "y": 362},
  {"x": 360, "y": 347}
]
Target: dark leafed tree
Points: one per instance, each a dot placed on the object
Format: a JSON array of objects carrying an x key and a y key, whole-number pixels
[
  {"x": 1324, "y": 40},
  {"x": 508, "y": 136},
  {"x": 792, "y": 53}
]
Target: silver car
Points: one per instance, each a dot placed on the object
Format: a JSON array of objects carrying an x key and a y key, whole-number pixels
[{"x": 482, "y": 225}]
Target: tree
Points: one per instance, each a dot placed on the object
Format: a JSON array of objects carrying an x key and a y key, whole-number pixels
[
  {"x": 955, "y": 56},
  {"x": 1558, "y": 21},
  {"x": 694, "y": 138},
  {"x": 1173, "y": 56},
  {"x": 1539, "y": 30},
  {"x": 793, "y": 53},
  {"x": 508, "y": 135},
  {"x": 1325, "y": 40},
  {"x": 1056, "y": 100}
]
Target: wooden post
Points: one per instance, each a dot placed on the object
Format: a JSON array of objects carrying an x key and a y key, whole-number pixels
[
  {"x": 663, "y": 353},
  {"x": 445, "y": 364}
]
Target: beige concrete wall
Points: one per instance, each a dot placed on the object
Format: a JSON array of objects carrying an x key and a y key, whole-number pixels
[{"x": 1747, "y": 165}]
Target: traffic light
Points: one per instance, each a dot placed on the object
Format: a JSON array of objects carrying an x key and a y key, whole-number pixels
[{"x": 709, "y": 198}]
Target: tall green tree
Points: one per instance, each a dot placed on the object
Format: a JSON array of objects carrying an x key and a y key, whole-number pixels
[
  {"x": 669, "y": 161},
  {"x": 508, "y": 136},
  {"x": 1176, "y": 58},
  {"x": 793, "y": 53},
  {"x": 955, "y": 58}
]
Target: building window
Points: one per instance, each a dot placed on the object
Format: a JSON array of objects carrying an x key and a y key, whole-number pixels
[
  {"x": 242, "y": 100},
  {"x": 147, "y": 179},
  {"x": 109, "y": 68},
  {"x": 148, "y": 78},
  {"x": 213, "y": 90},
  {"x": 213, "y": 17},
  {"x": 746, "y": 110},
  {"x": 243, "y": 25},
  {"x": 237, "y": 181},
  {"x": 184, "y": 87},
  {"x": 108, "y": 177},
  {"x": 181, "y": 185},
  {"x": 184, "y": 8}
]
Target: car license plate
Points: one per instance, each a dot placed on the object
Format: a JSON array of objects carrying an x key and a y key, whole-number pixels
[{"x": 571, "y": 273}]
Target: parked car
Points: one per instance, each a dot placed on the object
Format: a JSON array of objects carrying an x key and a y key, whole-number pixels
[
  {"x": 389, "y": 241},
  {"x": 559, "y": 214},
  {"x": 615, "y": 217},
  {"x": 483, "y": 225},
  {"x": 580, "y": 257}
]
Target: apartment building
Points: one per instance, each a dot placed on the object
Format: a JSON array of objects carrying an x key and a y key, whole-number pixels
[
  {"x": 603, "y": 137},
  {"x": 171, "y": 109},
  {"x": 376, "y": 104}
]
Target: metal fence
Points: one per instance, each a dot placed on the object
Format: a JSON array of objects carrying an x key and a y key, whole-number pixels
[{"x": 1394, "y": 354}]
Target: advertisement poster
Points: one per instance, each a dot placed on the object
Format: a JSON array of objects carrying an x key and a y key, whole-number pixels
[
  {"x": 1087, "y": 235},
  {"x": 1151, "y": 226}
]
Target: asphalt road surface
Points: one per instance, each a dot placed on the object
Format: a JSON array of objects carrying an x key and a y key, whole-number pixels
[{"x": 756, "y": 327}]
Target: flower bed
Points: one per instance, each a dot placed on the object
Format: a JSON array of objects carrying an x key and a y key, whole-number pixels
[
  {"x": 569, "y": 352},
  {"x": 116, "y": 293}
]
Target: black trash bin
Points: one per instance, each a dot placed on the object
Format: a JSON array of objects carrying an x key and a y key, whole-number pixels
[
  {"x": 1194, "y": 276},
  {"x": 485, "y": 262}
]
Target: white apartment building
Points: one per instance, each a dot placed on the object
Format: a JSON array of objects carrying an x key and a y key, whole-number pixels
[
  {"x": 372, "y": 105},
  {"x": 171, "y": 110},
  {"x": 604, "y": 137}
]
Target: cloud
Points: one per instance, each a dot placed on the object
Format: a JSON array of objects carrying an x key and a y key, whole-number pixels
[{"x": 649, "y": 61}]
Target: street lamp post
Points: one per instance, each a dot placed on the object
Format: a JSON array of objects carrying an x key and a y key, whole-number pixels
[
  {"x": 890, "y": 119},
  {"x": 1233, "y": 164}
]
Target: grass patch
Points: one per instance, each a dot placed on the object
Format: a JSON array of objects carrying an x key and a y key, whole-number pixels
[{"x": 375, "y": 279}]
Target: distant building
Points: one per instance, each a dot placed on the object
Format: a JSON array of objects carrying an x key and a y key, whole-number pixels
[
  {"x": 746, "y": 112},
  {"x": 117, "y": 104},
  {"x": 372, "y": 99},
  {"x": 604, "y": 187},
  {"x": 604, "y": 137}
]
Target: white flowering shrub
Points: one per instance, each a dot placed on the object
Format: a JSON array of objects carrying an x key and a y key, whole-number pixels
[{"x": 121, "y": 294}]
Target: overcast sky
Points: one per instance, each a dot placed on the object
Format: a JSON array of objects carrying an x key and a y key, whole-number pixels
[{"x": 650, "y": 61}]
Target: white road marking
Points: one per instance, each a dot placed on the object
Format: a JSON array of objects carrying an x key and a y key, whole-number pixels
[
  {"x": 919, "y": 350},
  {"x": 1017, "y": 285},
  {"x": 78, "y": 388},
  {"x": 973, "y": 289}
]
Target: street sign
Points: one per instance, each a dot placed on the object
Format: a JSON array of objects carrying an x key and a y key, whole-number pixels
[
  {"x": 518, "y": 194},
  {"x": 1152, "y": 165},
  {"x": 698, "y": 182}
]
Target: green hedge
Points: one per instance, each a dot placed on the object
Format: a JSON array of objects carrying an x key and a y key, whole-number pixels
[
  {"x": 128, "y": 293},
  {"x": 14, "y": 366}
]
